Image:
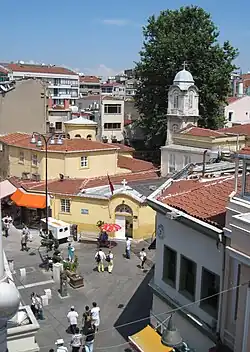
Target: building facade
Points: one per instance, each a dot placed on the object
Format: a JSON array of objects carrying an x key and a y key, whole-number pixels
[
  {"x": 112, "y": 119},
  {"x": 23, "y": 107},
  {"x": 237, "y": 111},
  {"x": 62, "y": 83},
  {"x": 90, "y": 85}
]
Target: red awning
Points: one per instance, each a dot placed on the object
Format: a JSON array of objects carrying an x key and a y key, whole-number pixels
[{"x": 28, "y": 200}]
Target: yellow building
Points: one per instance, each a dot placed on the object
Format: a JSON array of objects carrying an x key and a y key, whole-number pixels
[
  {"x": 75, "y": 158},
  {"x": 86, "y": 201},
  {"x": 81, "y": 127},
  {"x": 78, "y": 184}
]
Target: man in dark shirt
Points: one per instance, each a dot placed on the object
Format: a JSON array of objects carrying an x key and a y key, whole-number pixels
[{"x": 90, "y": 337}]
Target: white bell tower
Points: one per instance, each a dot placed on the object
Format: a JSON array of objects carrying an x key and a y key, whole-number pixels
[{"x": 183, "y": 103}]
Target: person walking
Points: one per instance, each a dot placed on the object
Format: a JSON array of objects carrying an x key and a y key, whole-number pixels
[
  {"x": 86, "y": 317},
  {"x": 95, "y": 315},
  {"x": 72, "y": 319},
  {"x": 143, "y": 257},
  {"x": 24, "y": 238},
  {"x": 90, "y": 337},
  {"x": 128, "y": 247},
  {"x": 110, "y": 260},
  {"x": 71, "y": 252},
  {"x": 6, "y": 225},
  {"x": 60, "y": 346},
  {"x": 100, "y": 257},
  {"x": 76, "y": 341},
  {"x": 33, "y": 305}
]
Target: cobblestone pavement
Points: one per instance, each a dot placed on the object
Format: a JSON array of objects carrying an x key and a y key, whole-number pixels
[{"x": 123, "y": 296}]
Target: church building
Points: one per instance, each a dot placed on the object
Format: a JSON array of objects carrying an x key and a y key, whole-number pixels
[{"x": 186, "y": 143}]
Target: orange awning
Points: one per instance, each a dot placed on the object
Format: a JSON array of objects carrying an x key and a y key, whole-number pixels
[
  {"x": 148, "y": 340},
  {"x": 28, "y": 200}
]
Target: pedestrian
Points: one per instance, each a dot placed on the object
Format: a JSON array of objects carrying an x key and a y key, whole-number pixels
[
  {"x": 100, "y": 257},
  {"x": 143, "y": 257},
  {"x": 72, "y": 318},
  {"x": 128, "y": 247},
  {"x": 76, "y": 341},
  {"x": 90, "y": 337},
  {"x": 95, "y": 315},
  {"x": 24, "y": 238},
  {"x": 86, "y": 317},
  {"x": 71, "y": 252},
  {"x": 60, "y": 346},
  {"x": 6, "y": 228},
  {"x": 39, "y": 307},
  {"x": 33, "y": 305},
  {"x": 110, "y": 260}
]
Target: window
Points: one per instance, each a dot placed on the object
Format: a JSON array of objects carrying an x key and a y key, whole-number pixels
[
  {"x": 34, "y": 161},
  {"x": 237, "y": 291},
  {"x": 21, "y": 157},
  {"x": 187, "y": 278},
  {"x": 84, "y": 161},
  {"x": 89, "y": 137},
  {"x": 171, "y": 166},
  {"x": 112, "y": 109},
  {"x": 176, "y": 100},
  {"x": 190, "y": 100},
  {"x": 175, "y": 127},
  {"x": 65, "y": 205},
  {"x": 59, "y": 126},
  {"x": 210, "y": 286},
  {"x": 169, "y": 266},
  {"x": 77, "y": 136},
  {"x": 112, "y": 126},
  {"x": 230, "y": 116},
  {"x": 187, "y": 160}
]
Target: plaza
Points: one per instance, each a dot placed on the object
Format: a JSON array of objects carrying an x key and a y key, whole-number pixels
[{"x": 123, "y": 297}]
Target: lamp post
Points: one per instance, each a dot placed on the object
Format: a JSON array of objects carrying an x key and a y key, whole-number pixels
[
  {"x": 9, "y": 296},
  {"x": 39, "y": 139}
]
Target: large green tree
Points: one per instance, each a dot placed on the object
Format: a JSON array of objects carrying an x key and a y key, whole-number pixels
[{"x": 175, "y": 36}]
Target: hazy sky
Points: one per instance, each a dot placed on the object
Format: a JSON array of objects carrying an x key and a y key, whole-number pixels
[{"x": 102, "y": 37}]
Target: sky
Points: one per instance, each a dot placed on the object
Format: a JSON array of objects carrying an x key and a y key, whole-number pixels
[{"x": 102, "y": 37}]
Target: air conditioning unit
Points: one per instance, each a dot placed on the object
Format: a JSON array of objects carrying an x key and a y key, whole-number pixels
[
  {"x": 52, "y": 124},
  {"x": 25, "y": 176},
  {"x": 36, "y": 177}
]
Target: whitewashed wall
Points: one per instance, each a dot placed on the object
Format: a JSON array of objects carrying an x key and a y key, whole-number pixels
[{"x": 194, "y": 245}]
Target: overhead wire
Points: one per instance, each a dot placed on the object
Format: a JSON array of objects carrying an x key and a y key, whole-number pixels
[{"x": 148, "y": 317}]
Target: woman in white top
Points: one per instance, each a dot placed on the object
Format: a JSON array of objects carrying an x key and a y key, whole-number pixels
[
  {"x": 110, "y": 260},
  {"x": 143, "y": 257},
  {"x": 95, "y": 314}
]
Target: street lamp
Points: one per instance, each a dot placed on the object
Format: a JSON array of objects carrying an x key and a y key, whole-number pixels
[
  {"x": 40, "y": 139},
  {"x": 171, "y": 336}
]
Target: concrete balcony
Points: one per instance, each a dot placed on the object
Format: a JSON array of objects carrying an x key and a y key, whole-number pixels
[{"x": 22, "y": 328}]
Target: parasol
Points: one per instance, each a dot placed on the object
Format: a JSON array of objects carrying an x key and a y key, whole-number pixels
[{"x": 111, "y": 227}]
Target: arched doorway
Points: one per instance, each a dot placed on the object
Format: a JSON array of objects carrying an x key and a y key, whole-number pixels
[{"x": 124, "y": 218}]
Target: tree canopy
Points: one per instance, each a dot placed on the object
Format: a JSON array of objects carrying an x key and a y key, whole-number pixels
[{"x": 175, "y": 36}]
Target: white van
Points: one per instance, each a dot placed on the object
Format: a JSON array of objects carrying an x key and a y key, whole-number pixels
[{"x": 59, "y": 228}]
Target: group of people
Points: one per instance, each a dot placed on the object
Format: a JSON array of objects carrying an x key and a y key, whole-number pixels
[
  {"x": 101, "y": 257},
  {"x": 37, "y": 306},
  {"x": 90, "y": 324}
]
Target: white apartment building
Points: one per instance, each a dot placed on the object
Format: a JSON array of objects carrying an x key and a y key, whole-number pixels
[
  {"x": 114, "y": 89},
  {"x": 62, "y": 83},
  {"x": 112, "y": 119},
  {"x": 237, "y": 111}
]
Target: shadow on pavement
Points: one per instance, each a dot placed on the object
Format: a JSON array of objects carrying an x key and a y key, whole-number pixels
[{"x": 138, "y": 308}]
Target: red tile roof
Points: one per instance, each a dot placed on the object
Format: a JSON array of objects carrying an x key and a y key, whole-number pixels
[
  {"x": 245, "y": 151},
  {"x": 89, "y": 79},
  {"x": 69, "y": 145},
  {"x": 231, "y": 100},
  {"x": 17, "y": 67},
  {"x": 113, "y": 84},
  {"x": 246, "y": 80},
  {"x": 123, "y": 147},
  {"x": 3, "y": 70},
  {"x": 205, "y": 200},
  {"x": 238, "y": 129},
  {"x": 135, "y": 165},
  {"x": 96, "y": 97},
  {"x": 74, "y": 186},
  {"x": 201, "y": 132}
]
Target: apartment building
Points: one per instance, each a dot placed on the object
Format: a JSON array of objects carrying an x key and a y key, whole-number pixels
[
  {"x": 114, "y": 89},
  {"x": 112, "y": 119},
  {"x": 90, "y": 85},
  {"x": 62, "y": 83}
]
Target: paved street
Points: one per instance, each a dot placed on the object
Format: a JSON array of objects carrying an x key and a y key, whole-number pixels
[{"x": 123, "y": 296}]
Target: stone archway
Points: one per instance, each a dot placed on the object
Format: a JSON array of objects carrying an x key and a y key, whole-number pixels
[{"x": 124, "y": 218}]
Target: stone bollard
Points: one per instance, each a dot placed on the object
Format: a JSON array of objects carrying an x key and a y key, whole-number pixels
[
  {"x": 47, "y": 292},
  {"x": 23, "y": 272},
  {"x": 57, "y": 269}
]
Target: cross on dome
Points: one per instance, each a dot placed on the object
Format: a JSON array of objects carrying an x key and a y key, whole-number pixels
[
  {"x": 185, "y": 64},
  {"x": 124, "y": 183}
]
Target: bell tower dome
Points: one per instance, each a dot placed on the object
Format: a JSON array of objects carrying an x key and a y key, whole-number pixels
[{"x": 183, "y": 103}]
